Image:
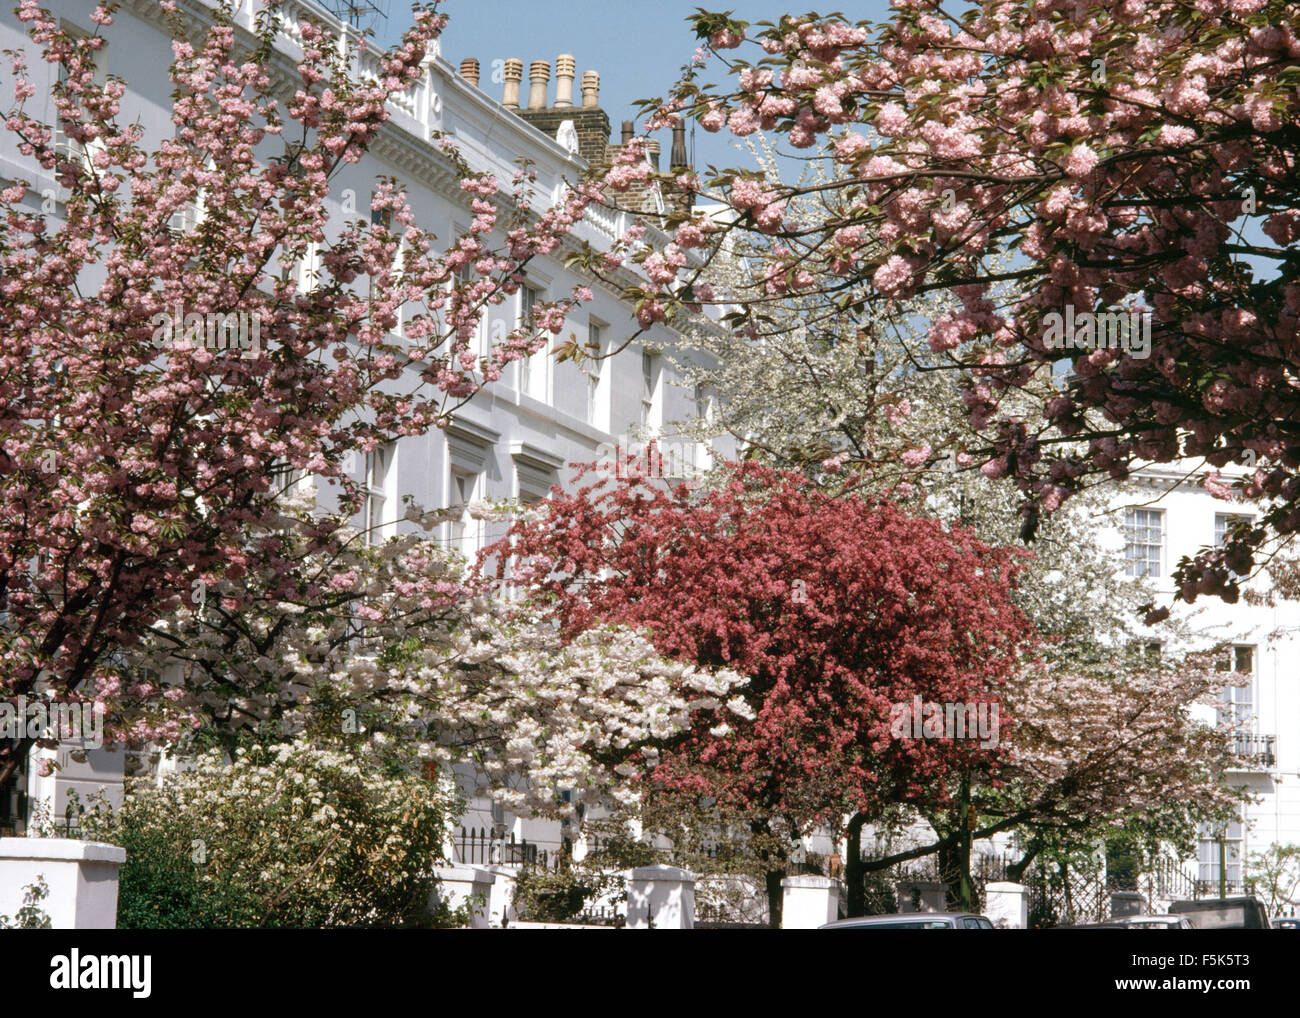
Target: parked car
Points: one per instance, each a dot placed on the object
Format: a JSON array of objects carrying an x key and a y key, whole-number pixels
[
  {"x": 1156, "y": 922},
  {"x": 1223, "y": 913},
  {"x": 1287, "y": 923},
  {"x": 914, "y": 921}
]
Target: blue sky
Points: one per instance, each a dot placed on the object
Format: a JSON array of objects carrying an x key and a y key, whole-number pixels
[{"x": 637, "y": 46}]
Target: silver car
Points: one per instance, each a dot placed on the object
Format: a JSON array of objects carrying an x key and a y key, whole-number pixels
[
  {"x": 1155, "y": 922},
  {"x": 914, "y": 921}
]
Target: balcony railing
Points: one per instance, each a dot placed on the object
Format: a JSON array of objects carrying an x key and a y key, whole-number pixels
[
  {"x": 1255, "y": 750},
  {"x": 1232, "y": 889}
]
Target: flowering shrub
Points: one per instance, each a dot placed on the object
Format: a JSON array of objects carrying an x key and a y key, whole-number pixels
[
  {"x": 290, "y": 835},
  {"x": 836, "y": 608}
]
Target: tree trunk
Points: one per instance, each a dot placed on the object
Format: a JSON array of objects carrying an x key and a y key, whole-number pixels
[
  {"x": 775, "y": 896},
  {"x": 1016, "y": 871},
  {"x": 854, "y": 874},
  {"x": 954, "y": 862}
]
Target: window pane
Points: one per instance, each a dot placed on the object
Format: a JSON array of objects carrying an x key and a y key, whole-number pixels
[{"x": 1144, "y": 541}]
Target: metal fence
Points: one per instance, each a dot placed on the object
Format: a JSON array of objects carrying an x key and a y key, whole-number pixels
[{"x": 481, "y": 847}]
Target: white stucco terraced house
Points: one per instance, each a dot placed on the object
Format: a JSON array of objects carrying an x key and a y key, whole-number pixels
[{"x": 1160, "y": 517}]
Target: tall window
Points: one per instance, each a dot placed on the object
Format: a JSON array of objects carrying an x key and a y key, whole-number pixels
[
  {"x": 1208, "y": 853},
  {"x": 1145, "y": 654},
  {"x": 63, "y": 145},
  {"x": 285, "y": 479},
  {"x": 701, "y": 453},
  {"x": 649, "y": 389},
  {"x": 464, "y": 529},
  {"x": 1238, "y": 702},
  {"x": 1223, "y": 524},
  {"x": 1144, "y": 541},
  {"x": 309, "y": 268},
  {"x": 466, "y": 276},
  {"x": 595, "y": 415},
  {"x": 378, "y": 217},
  {"x": 532, "y": 377},
  {"x": 377, "y": 469}
]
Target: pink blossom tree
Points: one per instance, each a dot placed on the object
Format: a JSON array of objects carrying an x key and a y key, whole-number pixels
[
  {"x": 167, "y": 357},
  {"x": 1135, "y": 162}
]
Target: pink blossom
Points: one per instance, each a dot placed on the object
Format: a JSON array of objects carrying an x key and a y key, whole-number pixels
[
  {"x": 1081, "y": 161},
  {"x": 893, "y": 276},
  {"x": 917, "y": 457}
]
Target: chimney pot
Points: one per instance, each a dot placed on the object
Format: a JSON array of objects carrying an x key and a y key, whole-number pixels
[
  {"x": 513, "y": 74},
  {"x": 469, "y": 70},
  {"x": 539, "y": 73},
  {"x": 652, "y": 153},
  {"x": 677, "y": 158},
  {"x": 565, "y": 69},
  {"x": 628, "y": 131},
  {"x": 590, "y": 88}
]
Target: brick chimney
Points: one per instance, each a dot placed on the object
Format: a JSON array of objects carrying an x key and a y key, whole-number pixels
[
  {"x": 589, "y": 121},
  {"x": 593, "y": 127}
]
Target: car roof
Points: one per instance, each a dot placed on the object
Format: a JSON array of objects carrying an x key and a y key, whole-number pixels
[{"x": 904, "y": 917}]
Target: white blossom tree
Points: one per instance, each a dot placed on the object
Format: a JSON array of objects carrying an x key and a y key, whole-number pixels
[{"x": 389, "y": 651}]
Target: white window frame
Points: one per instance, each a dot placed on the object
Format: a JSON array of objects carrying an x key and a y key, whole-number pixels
[
  {"x": 377, "y": 477},
  {"x": 60, "y": 142},
  {"x": 466, "y": 275},
  {"x": 597, "y": 378},
  {"x": 534, "y": 379},
  {"x": 1237, "y": 703},
  {"x": 1139, "y": 522},
  {"x": 651, "y": 390},
  {"x": 464, "y": 534},
  {"x": 1207, "y": 853}
]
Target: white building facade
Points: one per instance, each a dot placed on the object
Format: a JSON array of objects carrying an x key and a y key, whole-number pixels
[{"x": 1159, "y": 518}]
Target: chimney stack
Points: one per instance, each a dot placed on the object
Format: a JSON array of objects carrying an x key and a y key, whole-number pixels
[
  {"x": 514, "y": 74},
  {"x": 469, "y": 70},
  {"x": 590, "y": 122},
  {"x": 565, "y": 68},
  {"x": 539, "y": 73},
  {"x": 590, "y": 88},
  {"x": 677, "y": 158}
]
